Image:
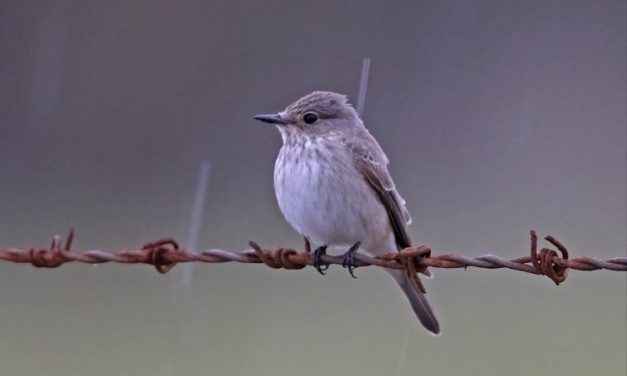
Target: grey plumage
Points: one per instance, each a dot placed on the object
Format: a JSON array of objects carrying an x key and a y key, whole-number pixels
[{"x": 333, "y": 186}]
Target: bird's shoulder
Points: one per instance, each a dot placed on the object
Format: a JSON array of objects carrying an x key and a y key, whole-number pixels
[
  {"x": 372, "y": 163},
  {"x": 369, "y": 157}
]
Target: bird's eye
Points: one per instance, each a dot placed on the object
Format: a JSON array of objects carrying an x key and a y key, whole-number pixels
[{"x": 310, "y": 118}]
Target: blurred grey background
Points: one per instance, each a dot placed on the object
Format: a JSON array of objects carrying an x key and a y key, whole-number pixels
[{"x": 498, "y": 116}]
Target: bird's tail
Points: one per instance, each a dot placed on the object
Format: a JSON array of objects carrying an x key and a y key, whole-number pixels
[{"x": 418, "y": 302}]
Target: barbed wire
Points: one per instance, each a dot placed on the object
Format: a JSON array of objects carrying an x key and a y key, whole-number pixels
[{"x": 164, "y": 254}]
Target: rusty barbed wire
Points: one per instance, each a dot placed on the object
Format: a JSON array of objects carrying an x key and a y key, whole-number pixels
[{"x": 164, "y": 254}]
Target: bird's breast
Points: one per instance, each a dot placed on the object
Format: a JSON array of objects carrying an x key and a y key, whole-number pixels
[{"x": 323, "y": 196}]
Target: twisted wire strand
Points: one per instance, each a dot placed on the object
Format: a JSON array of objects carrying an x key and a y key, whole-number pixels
[{"x": 164, "y": 254}]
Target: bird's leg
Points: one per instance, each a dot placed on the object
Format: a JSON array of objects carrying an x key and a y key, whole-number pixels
[
  {"x": 349, "y": 259},
  {"x": 316, "y": 259}
]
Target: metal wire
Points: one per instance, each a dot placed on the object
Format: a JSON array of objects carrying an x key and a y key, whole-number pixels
[{"x": 164, "y": 254}]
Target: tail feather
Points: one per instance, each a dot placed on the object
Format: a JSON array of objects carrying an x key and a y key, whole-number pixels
[
  {"x": 418, "y": 302},
  {"x": 417, "y": 299}
]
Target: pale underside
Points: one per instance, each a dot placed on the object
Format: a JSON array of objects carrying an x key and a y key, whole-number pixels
[{"x": 328, "y": 188}]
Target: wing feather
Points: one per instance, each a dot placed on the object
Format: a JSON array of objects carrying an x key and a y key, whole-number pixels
[{"x": 371, "y": 162}]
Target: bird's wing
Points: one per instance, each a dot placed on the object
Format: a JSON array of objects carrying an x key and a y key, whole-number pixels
[{"x": 371, "y": 162}]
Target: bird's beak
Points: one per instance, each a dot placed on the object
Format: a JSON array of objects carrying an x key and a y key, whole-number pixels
[{"x": 271, "y": 118}]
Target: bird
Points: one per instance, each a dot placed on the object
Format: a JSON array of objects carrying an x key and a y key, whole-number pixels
[{"x": 333, "y": 187}]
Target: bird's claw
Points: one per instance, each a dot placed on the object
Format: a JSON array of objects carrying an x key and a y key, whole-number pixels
[
  {"x": 349, "y": 259},
  {"x": 316, "y": 259}
]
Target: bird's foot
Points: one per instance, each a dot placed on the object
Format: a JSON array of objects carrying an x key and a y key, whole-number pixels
[
  {"x": 316, "y": 259},
  {"x": 349, "y": 259}
]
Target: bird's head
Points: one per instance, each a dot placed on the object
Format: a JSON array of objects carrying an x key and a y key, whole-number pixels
[{"x": 317, "y": 114}]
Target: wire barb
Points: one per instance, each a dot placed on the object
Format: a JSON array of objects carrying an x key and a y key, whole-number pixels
[{"x": 165, "y": 253}]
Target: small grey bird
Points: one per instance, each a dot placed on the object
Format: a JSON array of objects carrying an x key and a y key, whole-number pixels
[{"x": 333, "y": 186}]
